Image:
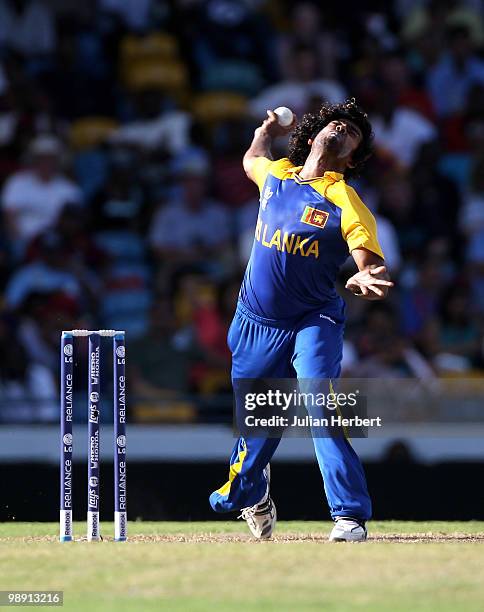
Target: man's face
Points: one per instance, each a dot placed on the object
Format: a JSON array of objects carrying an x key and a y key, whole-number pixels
[
  {"x": 195, "y": 187},
  {"x": 46, "y": 166},
  {"x": 461, "y": 46},
  {"x": 340, "y": 137}
]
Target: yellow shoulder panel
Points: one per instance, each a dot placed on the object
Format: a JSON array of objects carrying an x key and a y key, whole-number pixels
[
  {"x": 358, "y": 225},
  {"x": 263, "y": 166}
]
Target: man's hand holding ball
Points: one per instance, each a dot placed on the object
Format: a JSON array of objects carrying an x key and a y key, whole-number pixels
[
  {"x": 284, "y": 115},
  {"x": 279, "y": 122}
]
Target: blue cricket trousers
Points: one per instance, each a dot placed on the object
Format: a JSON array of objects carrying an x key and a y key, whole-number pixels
[{"x": 311, "y": 350}]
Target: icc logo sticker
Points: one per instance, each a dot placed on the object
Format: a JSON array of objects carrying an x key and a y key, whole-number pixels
[
  {"x": 120, "y": 351},
  {"x": 121, "y": 441},
  {"x": 94, "y": 397},
  {"x": 68, "y": 350},
  {"x": 67, "y": 439},
  {"x": 93, "y": 481},
  {"x": 265, "y": 197}
]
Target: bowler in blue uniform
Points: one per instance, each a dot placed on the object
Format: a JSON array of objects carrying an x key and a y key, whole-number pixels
[{"x": 289, "y": 319}]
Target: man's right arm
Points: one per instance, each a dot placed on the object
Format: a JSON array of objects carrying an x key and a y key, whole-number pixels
[{"x": 261, "y": 143}]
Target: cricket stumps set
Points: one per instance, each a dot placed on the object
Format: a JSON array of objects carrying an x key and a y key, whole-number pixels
[{"x": 66, "y": 433}]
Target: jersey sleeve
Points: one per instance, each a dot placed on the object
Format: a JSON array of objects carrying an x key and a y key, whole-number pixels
[
  {"x": 358, "y": 225},
  {"x": 263, "y": 166},
  {"x": 260, "y": 170}
]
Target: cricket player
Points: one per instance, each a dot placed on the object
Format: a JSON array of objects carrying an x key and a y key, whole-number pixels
[{"x": 289, "y": 319}]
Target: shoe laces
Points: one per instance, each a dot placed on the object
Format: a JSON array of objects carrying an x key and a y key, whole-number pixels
[
  {"x": 248, "y": 513},
  {"x": 261, "y": 508}
]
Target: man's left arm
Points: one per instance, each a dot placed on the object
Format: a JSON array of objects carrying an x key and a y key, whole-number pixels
[
  {"x": 359, "y": 230},
  {"x": 372, "y": 281}
]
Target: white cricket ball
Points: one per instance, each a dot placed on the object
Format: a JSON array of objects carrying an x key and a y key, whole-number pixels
[{"x": 285, "y": 116}]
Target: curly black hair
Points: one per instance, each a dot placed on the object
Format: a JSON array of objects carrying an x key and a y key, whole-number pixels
[{"x": 311, "y": 124}]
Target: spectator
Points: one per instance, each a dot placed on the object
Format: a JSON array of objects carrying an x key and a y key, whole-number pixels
[
  {"x": 472, "y": 217},
  {"x": 395, "y": 74},
  {"x": 387, "y": 234},
  {"x": 437, "y": 15},
  {"x": 161, "y": 360},
  {"x": 307, "y": 29},
  {"x": 296, "y": 92},
  {"x": 74, "y": 228},
  {"x": 41, "y": 316},
  {"x": 230, "y": 181},
  {"x": 156, "y": 125},
  {"x": 396, "y": 203},
  {"x": 457, "y": 71},
  {"x": 80, "y": 65},
  {"x": 191, "y": 228},
  {"x": 472, "y": 226},
  {"x": 209, "y": 325},
  {"x": 54, "y": 270},
  {"x": 27, "y": 390},
  {"x": 399, "y": 131},
  {"x": 27, "y": 27},
  {"x": 436, "y": 199},
  {"x": 463, "y": 141},
  {"x": 134, "y": 13},
  {"x": 459, "y": 336},
  {"x": 220, "y": 31},
  {"x": 385, "y": 352},
  {"x": 201, "y": 314},
  {"x": 419, "y": 302},
  {"x": 32, "y": 199},
  {"x": 126, "y": 297}
]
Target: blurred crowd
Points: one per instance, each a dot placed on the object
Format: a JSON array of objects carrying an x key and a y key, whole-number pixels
[{"x": 124, "y": 202}]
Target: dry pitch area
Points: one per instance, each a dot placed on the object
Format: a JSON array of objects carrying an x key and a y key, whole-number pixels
[{"x": 215, "y": 566}]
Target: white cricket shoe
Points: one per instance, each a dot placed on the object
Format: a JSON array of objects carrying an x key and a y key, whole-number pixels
[
  {"x": 261, "y": 518},
  {"x": 348, "y": 530}
]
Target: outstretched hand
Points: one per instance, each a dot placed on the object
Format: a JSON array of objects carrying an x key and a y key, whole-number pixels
[{"x": 371, "y": 284}]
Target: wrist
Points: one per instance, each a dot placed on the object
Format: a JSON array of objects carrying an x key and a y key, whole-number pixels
[{"x": 263, "y": 132}]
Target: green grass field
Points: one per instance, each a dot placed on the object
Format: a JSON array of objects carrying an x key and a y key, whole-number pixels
[{"x": 194, "y": 567}]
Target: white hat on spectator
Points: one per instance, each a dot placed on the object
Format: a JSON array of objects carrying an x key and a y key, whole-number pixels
[
  {"x": 45, "y": 144},
  {"x": 194, "y": 162}
]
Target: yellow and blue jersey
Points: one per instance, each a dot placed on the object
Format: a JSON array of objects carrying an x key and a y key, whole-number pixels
[{"x": 304, "y": 233}]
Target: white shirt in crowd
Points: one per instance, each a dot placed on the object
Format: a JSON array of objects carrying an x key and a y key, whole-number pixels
[
  {"x": 296, "y": 95},
  {"x": 37, "y": 203},
  {"x": 404, "y": 134},
  {"x": 33, "y": 399},
  {"x": 175, "y": 226},
  {"x": 170, "y": 130}
]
